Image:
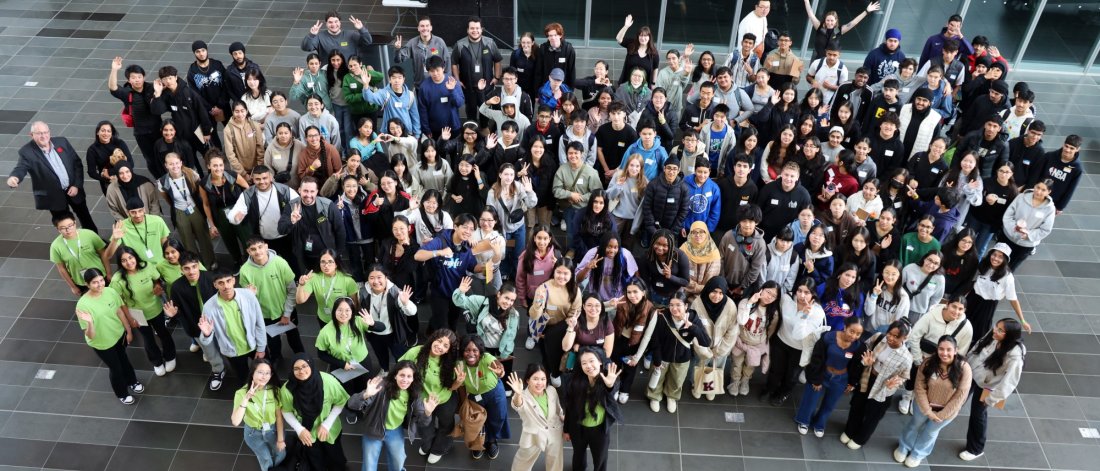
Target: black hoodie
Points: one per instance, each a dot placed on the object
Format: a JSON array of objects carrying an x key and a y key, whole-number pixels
[
  {"x": 234, "y": 82},
  {"x": 210, "y": 83}
]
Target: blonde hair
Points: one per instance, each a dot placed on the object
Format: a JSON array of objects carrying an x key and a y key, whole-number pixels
[
  {"x": 117, "y": 156},
  {"x": 640, "y": 182}
]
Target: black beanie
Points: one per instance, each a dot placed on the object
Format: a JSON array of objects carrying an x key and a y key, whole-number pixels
[
  {"x": 200, "y": 44},
  {"x": 236, "y": 46}
]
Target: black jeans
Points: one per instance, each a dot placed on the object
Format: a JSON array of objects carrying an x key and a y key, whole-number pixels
[
  {"x": 147, "y": 144},
  {"x": 864, "y": 416},
  {"x": 784, "y": 368},
  {"x": 386, "y": 349},
  {"x": 444, "y": 313},
  {"x": 167, "y": 349},
  {"x": 322, "y": 456},
  {"x": 550, "y": 347},
  {"x": 975, "y": 431},
  {"x": 595, "y": 438},
  {"x": 435, "y": 438},
  {"x": 121, "y": 371},
  {"x": 622, "y": 348},
  {"x": 282, "y": 246},
  {"x": 293, "y": 337},
  {"x": 240, "y": 365},
  {"x": 80, "y": 210}
]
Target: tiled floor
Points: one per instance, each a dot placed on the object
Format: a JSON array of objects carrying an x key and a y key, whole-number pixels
[{"x": 72, "y": 421}]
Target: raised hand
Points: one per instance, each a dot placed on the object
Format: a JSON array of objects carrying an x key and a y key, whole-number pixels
[
  {"x": 491, "y": 141},
  {"x": 116, "y": 63},
  {"x": 297, "y": 74},
  {"x": 688, "y": 50},
  {"x": 527, "y": 185},
  {"x": 868, "y": 358},
  {"x": 445, "y": 134},
  {"x": 464, "y": 286},
  {"x": 460, "y": 377},
  {"x": 316, "y": 28},
  {"x": 84, "y": 316},
  {"x": 158, "y": 87},
  {"x": 775, "y": 97},
  {"x": 451, "y": 82},
  {"x": 885, "y": 242},
  {"x": 374, "y": 386},
  {"x": 406, "y": 294},
  {"x": 595, "y": 262},
  {"x": 366, "y": 317},
  {"x": 118, "y": 231},
  {"x": 667, "y": 270},
  {"x": 628, "y": 21},
  {"x": 481, "y": 86},
  {"x": 430, "y": 404},
  {"x": 305, "y": 278},
  {"x": 497, "y": 368},
  {"x": 170, "y": 309},
  {"x": 356, "y": 22},
  {"x": 515, "y": 382},
  {"x": 873, "y": 7},
  {"x": 205, "y": 326},
  {"x": 397, "y": 42},
  {"x": 611, "y": 376},
  {"x": 296, "y": 213},
  {"x": 878, "y": 287}
]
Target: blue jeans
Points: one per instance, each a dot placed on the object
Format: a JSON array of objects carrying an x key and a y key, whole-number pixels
[
  {"x": 347, "y": 128},
  {"x": 832, "y": 389},
  {"x": 394, "y": 442},
  {"x": 985, "y": 233},
  {"x": 496, "y": 406},
  {"x": 573, "y": 229},
  {"x": 918, "y": 437},
  {"x": 511, "y": 254},
  {"x": 263, "y": 444}
]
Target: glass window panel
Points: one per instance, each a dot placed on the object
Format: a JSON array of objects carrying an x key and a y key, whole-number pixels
[
  {"x": 1002, "y": 24},
  {"x": 534, "y": 15},
  {"x": 701, "y": 22},
  {"x": 608, "y": 16},
  {"x": 864, "y": 36},
  {"x": 1063, "y": 35},
  {"x": 785, "y": 15}
]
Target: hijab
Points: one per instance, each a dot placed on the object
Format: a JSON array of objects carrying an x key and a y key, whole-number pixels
[
  {"x": 704, "y": 253},
  {"x": 129, "y": 189},
  {"x": 714, "y": 309},
  {"x": 309, "y": 395}
]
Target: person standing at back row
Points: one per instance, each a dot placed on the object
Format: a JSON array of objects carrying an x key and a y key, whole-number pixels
[
  {"x": 475, "y": 62},
  {"x": 57, "y": 175},
  {"x": 420, "y": 48},
  {"x": 756, "y": 22},
  {"x": 334, "y": 38}
]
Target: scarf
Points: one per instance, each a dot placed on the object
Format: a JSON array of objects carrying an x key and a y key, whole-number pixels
[
  {"x": 703, "y": 253},
  {"x": 129, "y": 189},
  {"x": 714, "y": 309},
  {"x": 309, "y": 395}
]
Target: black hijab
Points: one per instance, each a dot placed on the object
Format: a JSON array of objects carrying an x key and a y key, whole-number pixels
[
  {"x": 714, "y": 309},
  {"x": 309, "y": 395},
  {"x": 129, "y": 189}
]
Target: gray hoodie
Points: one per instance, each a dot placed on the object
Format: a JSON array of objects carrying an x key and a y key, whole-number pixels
[
  {"x": 782, "y": 267},
  {"x": 1038, "y": 221}
]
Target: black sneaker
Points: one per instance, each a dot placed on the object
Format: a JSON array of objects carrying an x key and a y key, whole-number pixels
[
  {"x": 494, "y": 451},
  {"x": 476, "y": 454},
  {"x": 778, "y": 400},
  {"x": 216, "y": 380}
]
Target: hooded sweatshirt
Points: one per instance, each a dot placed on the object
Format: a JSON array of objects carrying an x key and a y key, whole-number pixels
[
  {"x": 400, "y": 105},
  {"x": 931, "y": 327},
  {"x": 743, "y": 258},
  {"x": 781, "y": 267},
  {"x": 704, "y": 203},
  {"x": 882, "y": 62},
  {"x": 654, "y": 157},
  {"x": 1039, "y": 221}
]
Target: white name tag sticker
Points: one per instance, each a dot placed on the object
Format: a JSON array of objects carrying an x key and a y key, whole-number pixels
[
  {"x": 551, "y": 308},
  {"x": 175, "y": 108},
  {"x": 519, "y": 70},
  {"x": 889, "y": 153},
  {"x": 775, "y": 63},
  {"x": 599, "y": 341},
  {"x": 444, "y": 99},
  {"x": 561, "y": 60},
  {"x": 905, "y": 89},
  {"x": 539, "y": 272},
  {"x": 477, "y": 69},
  {"x": 398, "y": 104},
  {"x": 862, "y": 173},
  {"x": 936, "y": 170},
  {"x": 639, "y": 328},
  {"x": 695, "y": 119},
  {"x": 622, "y": 144},
  {"x": 775, "y": 201},
  {"x": 731, "y": 247},
  {"x": 580, "y": 181},
  {"x": 670, "y": 200},
  {"x": 742, "y": 203},
  {"x": 353, "y": 86}
]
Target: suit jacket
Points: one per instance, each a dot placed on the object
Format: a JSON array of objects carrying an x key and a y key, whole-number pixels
[
  {"x": 540, "y": 431},
  {"x": 45, "y": 184}
]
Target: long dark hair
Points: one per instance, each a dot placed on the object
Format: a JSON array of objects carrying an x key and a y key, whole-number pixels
[
  {"x": 673, "y": 250},
  {"x": 832, "y": 285},
  {"x": 627, "y": 313},
  {"x": 1011, "y": 340},
  {"x": 582, "y": 323},
  {"x": 528, "y": 259},
  {"x": 863, "y": 258},
  {"x": 424, "y": 160},
  {"x": 389, "y": 384},
  {"x": 776, "y": 145},
  {"x": 650, "y": 48},
  {"x": 772, "y": 315},
  {"x": 591, "y": 222},
  {"x": 952, "y": 246},
  {"x": 428, "y": 194},
  {"x": 571, "y": 286},
  {"x": 582, "y": 396},
  {"x": 335, "y": 76},
  {"x": 446, "y": 362},
  {"x": 986, "y": 266},
  {"x": 933, "y": 363},
  {"x": 595, "y": 278},
  {"x": 139, "y": 266},
  {"x": 336, "y": 258},
  {"x": 895, "y": 292},
  {"x": 356, "y": 332},
  {"x": 697, "y": 72},
  {"x": 406, "y": 179}
]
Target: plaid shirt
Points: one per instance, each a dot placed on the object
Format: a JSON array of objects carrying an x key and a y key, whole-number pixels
[{"x": 889, "y": 362}]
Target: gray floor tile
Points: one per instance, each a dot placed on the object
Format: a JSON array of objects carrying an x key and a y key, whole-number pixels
[
  {"x": 54, "y": 401},
  {"x": 34, "y": 426},
  {"x": 1062, "y": 456}
]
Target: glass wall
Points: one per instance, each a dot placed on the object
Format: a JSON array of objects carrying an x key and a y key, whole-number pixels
[
  {"x": 705, "y": 23},
  {"x": 534, "y": 15},
  {"x": 919, "y": 20},
  {"x": 1063, "y": 35},
  {"x": 608, "y": 16},
  {"x": 865, "y": 36},
  {"x": 1004, "y": 25},
  {"x": 785, "y": 15}
]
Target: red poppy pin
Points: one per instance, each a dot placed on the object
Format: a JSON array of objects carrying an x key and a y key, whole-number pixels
[
  {"x": 434, "y": 51},
  {"x": 60, "y": 150},
  {"x": 748, "y": 247}
]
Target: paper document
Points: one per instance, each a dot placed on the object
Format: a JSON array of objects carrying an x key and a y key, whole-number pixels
[
  {"x": 348, "y": 375},
  {"x": 278, "y": 329}
]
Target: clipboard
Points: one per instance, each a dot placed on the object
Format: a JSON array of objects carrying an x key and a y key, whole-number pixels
[
  {"x": 348, "y": 375},
  {"x": 274, "y": 330},
  {"x": 139, "y": 316}
]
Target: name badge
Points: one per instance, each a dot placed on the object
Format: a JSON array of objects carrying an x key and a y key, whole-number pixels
[
  {"x": 695, "y": 119},
  {"x": 731, "y": 247},
  {"x": 785, "y": 268},
  {"x": 905, "y": 89},
  {"x": 775, "y": 63},
  {"x": 437, "y": 172},
  {"x": 477, "y": 398},
  {"x": 639, "y": 328},
  {"x": 398, "y": 104},
  {"x": 889, "y": 153},
  {"x": 845, "y": 307},
  {"x": 549, "y": 140},
  {"x": 897, "y": 204},
  {"x": 708, "y": 194},
  {"x": 670, "y": 200},
  {"x": 519, "y": 70},
  {"x": 622, "y": 144},
  {"x": 484, "y": 51},
  {"x": 551, "y": 307},
  {"x": 1026, "y": 162},
  {"x": 992, "y": 152},
  {"x": 775, "y": 201},
  {"x": 580, "y": 181},
  {"x": 343, "y": 44},
  {"x": 250, "y": 134},
  {"x": 477, "y": 69},
  {"x": 936, "y": 170},
  {"x": 862, "y": 173},
  {"x": 148, "y": 254},
  {"x": 444, "y": 99},
  {"x": 539, "y": 272},
  {"x": 175, "y": 108},
  {"x": 659, "y": 284},
  {"x": 742, "y": 203},
  {"x": 599, "y": 341},
  {"x": 650, "y": 161},
  {"x": 1001, "y": 201},
  {"x": 265, "y": 427},
  {"x": 828, "y": 228},
  {"x": 310, "y": 84},
  {"x": 561, "y": 60},
  {"x": 848, "y": 355},
  {"x": 910, "y": 248},
  {"x": 353, "y": 86}
]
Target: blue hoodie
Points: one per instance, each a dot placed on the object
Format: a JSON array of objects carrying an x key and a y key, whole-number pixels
[
  {"x": 403, "y": 107},
  {"x": 882, "y": 63},
  {"x": 704, "y": 203},
  {"x": 654, "y": 158}
]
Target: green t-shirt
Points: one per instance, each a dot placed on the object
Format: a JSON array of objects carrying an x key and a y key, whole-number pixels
[
  {"x": 104, "y": 310},
  {"x": 137, "y": 290},
  {"x": 912, "y": 249},
  {"x": 145, "y": 238},
  {"x": 431, "y": 382},
  {"x": 328, "y": 289},
  {"x": 593, "y": 420},
  {"x": 349, "y": 348},
  {"x": 170, "y": 273},
  {"x": 271, "y": 281},
  {"x": 399, "y": 406},
  {"x": 480, "y": 379},
  {"x": 544, "y": 403},
  {"x": 261, "y": 409},
  {"x": 234, "y": 325},
  {"x": 334, "y": 395},
  {"x": 79, "y": 254}
]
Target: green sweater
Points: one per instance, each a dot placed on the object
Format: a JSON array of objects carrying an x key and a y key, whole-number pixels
[{"x": 353, "y": 94}]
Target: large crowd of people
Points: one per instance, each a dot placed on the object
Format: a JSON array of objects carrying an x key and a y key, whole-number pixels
[{"x": 718, "y": 227}]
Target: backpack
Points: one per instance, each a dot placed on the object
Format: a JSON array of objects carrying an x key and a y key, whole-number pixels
[{"x": 771, "y": 41}]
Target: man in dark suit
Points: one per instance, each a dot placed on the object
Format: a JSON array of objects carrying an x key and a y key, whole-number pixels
[{"x": 57, "y": 175}]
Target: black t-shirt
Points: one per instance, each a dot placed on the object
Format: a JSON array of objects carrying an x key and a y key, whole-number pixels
[
  {"x": 314, "y": 244},
  {"x": 733, "y": 197},
  {"x": 614, "y": 143},
  {"x": 145, "y": 122}
]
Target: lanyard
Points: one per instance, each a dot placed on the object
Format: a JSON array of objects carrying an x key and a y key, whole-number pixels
[
  {"x": 79, "y": 245},
  {"x": 185, "y": 194},
  {"x": 144, "y": 238},
  {"x": 476, "y": 379},
  {"x": 347, "y": 338},
  {"x": 271, "y": 196},
  {"x": 330, "y": 288}
]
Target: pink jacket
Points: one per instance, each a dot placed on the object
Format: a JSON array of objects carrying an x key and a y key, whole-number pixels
[{"x": 526, "y": 283}]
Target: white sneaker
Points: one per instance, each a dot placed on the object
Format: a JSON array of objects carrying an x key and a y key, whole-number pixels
[
  {"x": 434, "y": 458},
  {"x": 802, "y": 377},
  {"x": 647, "y": 363},
  {"x": 128, "y": 400},
  {"x": 555, "y": 381},
  {"x": 905, "y": 405},
  {"x": 911, "y": 462},
  {"x": 852, "y": 445},
  {"x": 803, "y": 429},
  {"x": 819, "y": 433},
  {"x": 672, "y": 406},
  {"x": 158, "y": 370},
  {"x": 734, "y": 388},
  {"x": 744, "y": 388},
  {"x": 696, "y": 394},
  {"x": 194, "y": 348},
  {"x": 530, "y": 343},
  {"x": 216, "y": 381},
  {"x": 844, "y": 438},
  {"x": 170, "y": 365},
  {"x": 899, "y": 456},
  {"x": 968, "y": 456},
  {"x": 137, "y": 388},
  {"x": 654, "y": 406},
  {"x": 563, "y": 227},
  {"x": 623, "y": 397}
]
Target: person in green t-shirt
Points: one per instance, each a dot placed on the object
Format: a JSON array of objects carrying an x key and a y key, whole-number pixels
[
  {"x": 312, "y": 402},
  {"x": 141, "y": 288},
  {"x": 169, "y": 268},
  {"x": 436, "y": 361},
  {"x": 332, "y": 284},
  {"x": 270, "y": 276},
  {"x": 543, "y": 419},
  {"x": 590, "y": 407},
  {"x": 257, "y": 405},
  {"x": 388, "y": 414},
  {"x": 483, "y": 386},
  {"x": 145, "y": 233},
  {"x": 915, "y": 244},
  {"x": 343, "y": 345},
  {"x": 76, "y": 250},
  {"x": 107, "y": 329}
]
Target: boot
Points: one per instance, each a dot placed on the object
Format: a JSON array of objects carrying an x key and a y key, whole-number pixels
[{"x": 734, "y": 388}]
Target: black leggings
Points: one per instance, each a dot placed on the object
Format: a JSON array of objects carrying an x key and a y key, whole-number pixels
[
  {"x": 595, "y": 438},
  {"x": 149, "y": 334},
  {"x": 550, "y": 347},
  {"x": 436, "y": 438},
  {"x": 864, "y": 416},
  {"x": 119, "y": 368},
  {"x": 322, "y": 456},
  {"x": 293, "y": 337},
  {"x": 444, "y": 313},
  {"x": 975, "y": 431},
  {"x": 622, "y": 348},
  {"x": 783, "y": 372}
]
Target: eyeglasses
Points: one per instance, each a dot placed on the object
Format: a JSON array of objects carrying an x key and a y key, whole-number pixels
[
  {"x": 698, "y": 232},
  {"x": 998, "y": 330},
  {"x": 328, "y": 262},
  {"x": 68, "y": 227}
]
